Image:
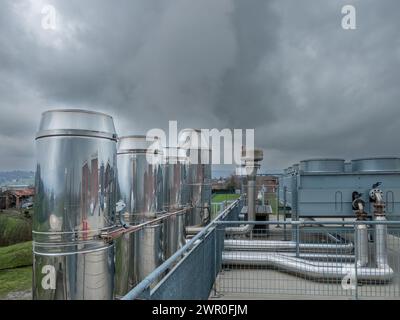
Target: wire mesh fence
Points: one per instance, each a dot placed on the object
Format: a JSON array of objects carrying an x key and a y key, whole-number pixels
[
  {"x": 310, "y": 260},
  {"x": 281, "y": 259}
]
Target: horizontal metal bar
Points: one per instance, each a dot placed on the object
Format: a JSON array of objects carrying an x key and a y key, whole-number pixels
[
  {"x": 116, "y": 233},
  {"x": 305, "y": 223}
]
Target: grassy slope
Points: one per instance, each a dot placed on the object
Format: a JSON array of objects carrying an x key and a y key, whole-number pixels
[
  {"x": 13, "y": 280},
  {"x": 18, "y": 255},
  {"x": 15, "y": 268},
  {"x": 14, "y": 228}
]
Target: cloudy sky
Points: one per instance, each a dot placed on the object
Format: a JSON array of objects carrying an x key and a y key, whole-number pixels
[{"x": 285, "y": 68}]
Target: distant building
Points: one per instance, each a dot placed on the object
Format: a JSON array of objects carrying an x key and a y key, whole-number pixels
[
  {"x": 269, "y": 182},
  {"x": 16, "y": 197}
]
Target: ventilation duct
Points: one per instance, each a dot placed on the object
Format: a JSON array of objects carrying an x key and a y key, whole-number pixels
[
  {"x": 75, "y": 200},
  {"x": 140, "y": 188}
]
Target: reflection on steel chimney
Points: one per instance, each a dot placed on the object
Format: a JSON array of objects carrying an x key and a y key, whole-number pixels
[
  {"x": 140, "y": 187},
  {"x": 176, "y": 196},
  {"x": 198, "y": 151},
  {"x": 75, "y": 202}
]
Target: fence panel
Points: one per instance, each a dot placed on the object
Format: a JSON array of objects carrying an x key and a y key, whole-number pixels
[
  {"x": 193, "y": 277},
  {"x": 324, "y": 263}
]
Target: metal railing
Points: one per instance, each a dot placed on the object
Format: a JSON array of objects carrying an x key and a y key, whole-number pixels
[
  {"x": 279, "y": 259},
  {"x": 189, "y": 273},
  {"x": 312, "y": 260}
]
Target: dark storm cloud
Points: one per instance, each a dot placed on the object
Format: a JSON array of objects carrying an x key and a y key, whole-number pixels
[{"x": 283, "y": 67}]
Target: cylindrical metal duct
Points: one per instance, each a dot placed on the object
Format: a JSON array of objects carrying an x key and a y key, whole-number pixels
[
  {"x": 362, "y": 245},
  {"x": 327, "y": 257},
  {"x": 278, "y": 245},
  {"x": 379, "y": 164},
  {"x": 381, "y": 243},
  {"x": 126, "y": 265},
  {"x": 176, "y": 196},
  {"x": 322, "y": 165},
  {"x": 74, "y": 204},
  {"x": 150, "y": 250},
  {"x": 176, "y": 177},
  {"x": 140, "y": 187},
  {"x": 251, "y": 159},
  {"x": 251, "y": 203},
  {"x": 175, "y": 234},
  {"x": 140, "y": 177},
  {"x": 198, "y": 152},
  {"x": 309, "y": 269}
]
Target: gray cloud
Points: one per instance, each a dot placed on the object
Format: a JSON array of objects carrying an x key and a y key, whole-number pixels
[{"x": 283, "y": 67}]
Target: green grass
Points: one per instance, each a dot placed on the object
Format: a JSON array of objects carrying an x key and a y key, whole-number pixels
[
  {"x": 224, "y": 197},
  {"x": 13, "y": 280},
  {"x": 15, "y": 268},
  {"x": 14, "y": 228},
  {"x": 17, "y": 255}
]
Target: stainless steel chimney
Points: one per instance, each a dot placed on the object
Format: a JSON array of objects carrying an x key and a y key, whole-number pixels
[
  {"x": 74, "y": 203},
  {"x": 140, "y": 187},
  {"x": 198, "y": 152},
  {"x": 251, "y": 159},
  {"x": 176, "y": 196}
]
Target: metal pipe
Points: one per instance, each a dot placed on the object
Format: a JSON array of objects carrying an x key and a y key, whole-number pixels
[
  {"x": 278, "y": 245},
  {"x": 362, "y": 245},
  {"x": 193, "y": 230},
  {"x": 242, "y": 230},
  {"x": 251, "y": 205},
  {"x": 251, "y": 165},
  {"x": 322, "y": 256},
  {"x": 380, "y": 229},
  {"x": 305, "y": 268},
  {"x": 196, "y": 148},
  {"x": 381, "y": 243}
]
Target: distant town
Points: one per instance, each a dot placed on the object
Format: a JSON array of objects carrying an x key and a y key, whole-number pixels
[{"x": 16, "y": 189}]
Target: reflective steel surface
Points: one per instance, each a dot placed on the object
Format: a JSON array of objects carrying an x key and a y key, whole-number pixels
[
  {"x": 140, "y": 187},
  {"x": 75, "y": 202},
  {"x": 150, "y": 250},
  {"x": 175, "y": 234},
  {"x": 176, "y": 177},
  {"x": 126, "y": 255},
  {"x": 197, "y": 149},
  {"x": 200, "y": 191},
  {"x": 140, "y": 182},
  {"x": 176, "y": 196},
  {"x": 78, "y": 122}
]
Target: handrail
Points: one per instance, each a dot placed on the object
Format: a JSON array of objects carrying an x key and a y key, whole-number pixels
[
  {"x": 113, "y": 234},
  {"x": 146, "y": 282},
  {"x": 304, "y": 223}
]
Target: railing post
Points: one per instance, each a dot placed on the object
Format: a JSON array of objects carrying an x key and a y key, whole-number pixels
[
  {"x": 284, "y": 213},
  {"x": 215, "y": 260},
  {"x": 277, "y": 207},
  {"x": 297, "y": 238},
  {"x": 356, "y": 256}
]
